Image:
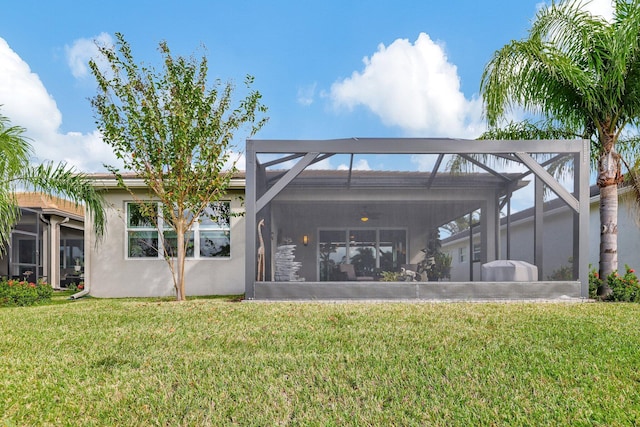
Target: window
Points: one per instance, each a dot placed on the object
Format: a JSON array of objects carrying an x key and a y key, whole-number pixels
[
  {"x": 71, "y": 253},
  {"x": 210, "y": 236},
  {"x": 142, "y": 234},
  {"x": 214, "y": 231},
  {"x": 476, "y": 252},
  {"x": 461, "y": 254}
]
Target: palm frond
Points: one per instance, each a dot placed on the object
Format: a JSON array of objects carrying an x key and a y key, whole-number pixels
[
  {"x": 524, "y": 130},
  {"x": 9, "y": 216},
  {"x": 573, "y": 68},
  {"x": 14, "y": 148},
  {"x": 61, "y": 180},
  {"x": 14, "y": 154},
  {"x": 528, "y": 130}
]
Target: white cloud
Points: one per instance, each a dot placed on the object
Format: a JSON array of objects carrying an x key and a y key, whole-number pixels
[
  {"x": 603, "y": 8},
  {"x": 360, "y": 165},
  {"x": 321, "y": 165},
  {"x": 306, "y": 94},
  {"x": 27, "y": 103},
  {"x": 82, "y": 50},
  {"x": 414, "y": 87},
  {"x": 22, "y": 94},
  {"x": 426, "y": 162}
]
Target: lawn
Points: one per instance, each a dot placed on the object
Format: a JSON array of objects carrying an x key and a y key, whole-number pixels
[{"x": 218, "y": 362}]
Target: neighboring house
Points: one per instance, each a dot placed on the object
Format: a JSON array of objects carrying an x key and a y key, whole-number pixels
[
  {"x": 315, "y": 232},
  {"x": 48, "y": 241},
  {"x": 556, "y": 246}
]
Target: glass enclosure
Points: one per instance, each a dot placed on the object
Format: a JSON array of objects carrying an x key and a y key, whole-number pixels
[
  {"x": 338, "y": 216},
  {"x": 25, "y": 260}
]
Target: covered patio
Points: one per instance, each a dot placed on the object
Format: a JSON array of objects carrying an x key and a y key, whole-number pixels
[{"x": 362, "y": 218}]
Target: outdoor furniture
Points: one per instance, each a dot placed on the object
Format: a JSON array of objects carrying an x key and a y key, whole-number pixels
[
  {"x": 410, "y": 272},
  {"x": 505, "y": 270}
]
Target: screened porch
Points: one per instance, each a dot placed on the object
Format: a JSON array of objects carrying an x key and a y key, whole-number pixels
[{"x": 367, "y": 218}]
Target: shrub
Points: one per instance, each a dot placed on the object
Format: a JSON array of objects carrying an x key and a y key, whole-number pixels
[
  {"x": 594, "y": 282},
  {"x": 624, "y": 288},
  {"x": 22, "y": 293},
  {"x": 389, "y": 276},
  {"x": 564, "y": 272},
  {"x": 74, "y": 287}
]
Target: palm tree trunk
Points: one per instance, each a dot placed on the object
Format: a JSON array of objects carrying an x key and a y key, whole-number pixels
[
  {"x": 609, "y": 176},
  {"x": 608, "y": 235}
]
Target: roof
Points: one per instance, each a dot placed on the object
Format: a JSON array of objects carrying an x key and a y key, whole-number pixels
[
  {"x": 133, "y": 180},
  {"x": 556, "y": 203},
  {"x": 50, "y": 204},
  {"x": 397, "y": 179}
]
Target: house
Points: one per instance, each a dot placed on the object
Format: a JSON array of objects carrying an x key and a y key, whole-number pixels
[
  {"x": 48, "y": 241},
  {"x": 128, "y": 261},
  {"x": 319, "y": 225}
]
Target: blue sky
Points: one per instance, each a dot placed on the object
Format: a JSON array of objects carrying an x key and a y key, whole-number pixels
[{"x": 326, "y": 69}]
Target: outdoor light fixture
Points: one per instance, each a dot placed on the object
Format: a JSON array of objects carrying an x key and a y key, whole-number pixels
[
  {"x": 305, "y": 240},
  {"x": 364, "y": 215}
]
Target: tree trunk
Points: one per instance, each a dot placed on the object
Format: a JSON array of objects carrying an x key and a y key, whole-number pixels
[
  {"x": 609, "y": 176},
  {"x": 608, "y": 236},
  {"x": 181, "y": 256}
]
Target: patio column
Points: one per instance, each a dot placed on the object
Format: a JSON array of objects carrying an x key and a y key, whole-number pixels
[
  {"x": 581, "y": 223},
  {"x": 250, "y": 221},
  {"x": 489, "y": 231},
  {"x": 52, "y": 250}
]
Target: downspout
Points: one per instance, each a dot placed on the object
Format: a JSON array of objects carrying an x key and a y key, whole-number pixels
[{"x": 82, "y": 293}]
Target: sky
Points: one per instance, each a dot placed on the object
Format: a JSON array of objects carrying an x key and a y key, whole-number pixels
[{"x": 325, "y": 69}]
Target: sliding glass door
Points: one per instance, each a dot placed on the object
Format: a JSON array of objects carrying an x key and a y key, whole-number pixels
[{"x": 370, "y": 251}]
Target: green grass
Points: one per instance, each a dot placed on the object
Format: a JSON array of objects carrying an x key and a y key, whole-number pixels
[{"x": 218, "y": 362}]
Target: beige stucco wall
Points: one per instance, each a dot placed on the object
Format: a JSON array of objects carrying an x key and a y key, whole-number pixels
[{"x": 110, "y": 274}]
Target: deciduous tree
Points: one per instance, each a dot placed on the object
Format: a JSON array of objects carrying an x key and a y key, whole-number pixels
[{"x": 174, "y": 130}]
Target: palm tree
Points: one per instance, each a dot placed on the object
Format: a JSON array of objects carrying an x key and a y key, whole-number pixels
[
  {"x": 581, "y": 74},
  {"x": 49, "y": 178}
]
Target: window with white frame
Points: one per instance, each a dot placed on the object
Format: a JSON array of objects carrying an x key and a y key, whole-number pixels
[
  {"x": 477, "y": 251},
  {"x": 461, "y": 252},
  {"x": 210, "y": 236},
  {"x": 213, "y": 231},
  {"x": 142, "y": 233}
]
